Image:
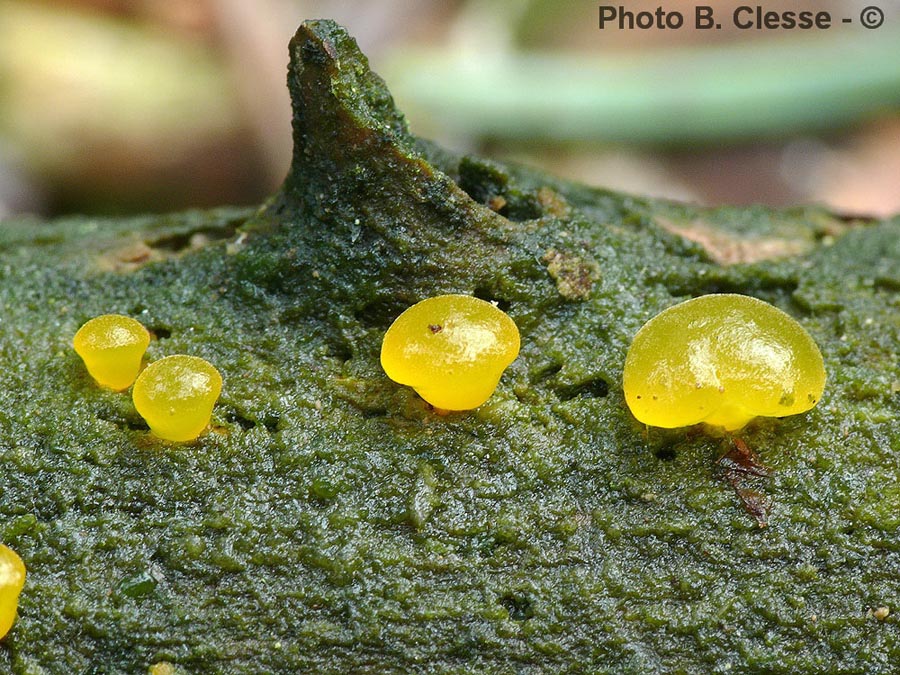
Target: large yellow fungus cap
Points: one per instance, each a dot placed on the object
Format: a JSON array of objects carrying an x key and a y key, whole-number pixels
[{"x": 721, "y": 359}]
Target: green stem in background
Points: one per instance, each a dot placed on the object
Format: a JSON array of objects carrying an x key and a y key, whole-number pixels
[{"x": 698, "y": 94}]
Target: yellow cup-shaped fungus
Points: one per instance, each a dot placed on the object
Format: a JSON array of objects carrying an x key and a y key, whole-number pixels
[
  {"x": 112, "y": 347},
  {"x": 723, "y": 360},
  {"x": 12, "y": 579},
  {"x": 452, "y": 349},
  {"x": 176, "y": 395}
]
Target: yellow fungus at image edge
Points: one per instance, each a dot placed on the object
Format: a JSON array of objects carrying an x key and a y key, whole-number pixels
[{"x": 12, "y": 579}]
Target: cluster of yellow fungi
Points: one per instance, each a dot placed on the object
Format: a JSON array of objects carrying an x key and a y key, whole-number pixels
[
  {"x": 720, "y": 359},
  {"x": 174, "y": 395}
]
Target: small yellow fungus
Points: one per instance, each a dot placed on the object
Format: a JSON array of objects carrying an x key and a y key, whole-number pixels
[
  {"x": 452, "y": 349},
  {"x": 721, "y": 359},
  {"x": 112, "y": 347},
  {"x": 12, "y": 579},
  {"x": 176, "y": 395}
]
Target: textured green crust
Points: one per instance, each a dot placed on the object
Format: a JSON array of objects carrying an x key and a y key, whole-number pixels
[{"x": 332, "y": 523}]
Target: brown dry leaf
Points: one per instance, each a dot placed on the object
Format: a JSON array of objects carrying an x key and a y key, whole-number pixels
[{"x": 726, "y": 248}]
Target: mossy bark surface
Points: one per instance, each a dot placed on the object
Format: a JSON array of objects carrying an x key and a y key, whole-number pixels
[{"x": 330, "y": 522}]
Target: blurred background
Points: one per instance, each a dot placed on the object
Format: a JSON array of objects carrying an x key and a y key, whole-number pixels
[{"x": 123, "y": 106}]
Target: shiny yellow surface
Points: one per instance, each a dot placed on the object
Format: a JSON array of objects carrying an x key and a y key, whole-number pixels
[
  {"x": 452, "y": 349},
  {"x": 12, "y": 579},
  {"x": 112, "y": 347},
  {"x": 723, "y": 360},
  {"x": 176, "y": 395}
]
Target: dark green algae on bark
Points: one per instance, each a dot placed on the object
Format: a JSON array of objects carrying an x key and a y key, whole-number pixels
[{"x": 331, "y": 523}]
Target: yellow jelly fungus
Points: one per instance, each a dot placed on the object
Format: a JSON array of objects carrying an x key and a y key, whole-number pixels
[
  {"x": 176, "y": 395},
  {"x": 112, "y": 347},
  {"x": 723, "y": 360},
  {"x": 12, "y": 578},
  {"x": 452, "y": 349}
]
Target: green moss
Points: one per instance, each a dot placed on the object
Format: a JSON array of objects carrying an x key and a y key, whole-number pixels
[{"x": 330, "y": 522}]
